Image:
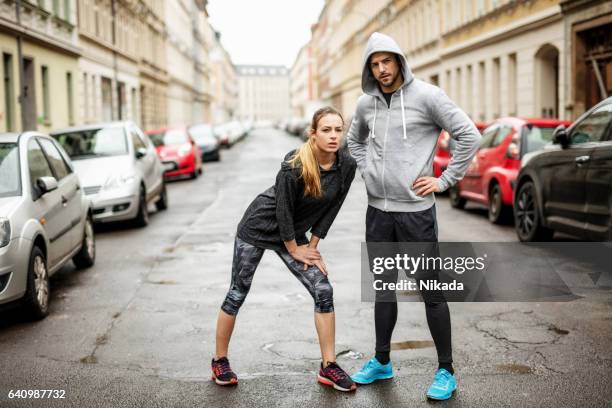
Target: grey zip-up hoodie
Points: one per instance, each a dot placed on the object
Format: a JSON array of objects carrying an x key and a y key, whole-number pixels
[{"x": 394, "y": 145}]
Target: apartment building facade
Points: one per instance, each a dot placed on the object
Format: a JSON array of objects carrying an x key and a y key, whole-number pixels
[
  {"x": 40, "y": 40},
  {"x": 188, "y": 62},
  {"x": 263, "y": 92},
  {"x": 223, "y": 81},
  {"x": 493, "y": 57}
]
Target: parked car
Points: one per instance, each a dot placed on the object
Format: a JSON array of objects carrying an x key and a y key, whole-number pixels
[
  {"x": 118, "y": 169},
  {"x": 45, "y": 220},
  {"x": 229, "y": 133},
  {"x": 297, "y": 126},
  {"x": 444, "y": 150},
  {"x": 567, "y": 186},
  {"x": 491, "y": 177},
  {"x": 205, "y": 138},
  {"x": 178, "y": 151}
]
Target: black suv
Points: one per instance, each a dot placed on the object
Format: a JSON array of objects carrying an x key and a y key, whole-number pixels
[{"x": 567, "y": 186}]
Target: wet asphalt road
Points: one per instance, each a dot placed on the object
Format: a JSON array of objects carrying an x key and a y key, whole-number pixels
[{"x": 138, "y": 328}]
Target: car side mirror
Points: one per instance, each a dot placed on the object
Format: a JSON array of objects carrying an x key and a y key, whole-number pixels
[
  {"x": 46, "y": 184},
  {"x": 560, "y": 136},
  {"x": 141, "y": 152}
]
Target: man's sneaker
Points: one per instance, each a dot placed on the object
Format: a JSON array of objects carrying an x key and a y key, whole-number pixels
[
  {"x": 336, "y": 377},
  {"x": 443, "y": 386},
  {"x": 222, "y": 373},
  {"x": 373, "y": 371}
]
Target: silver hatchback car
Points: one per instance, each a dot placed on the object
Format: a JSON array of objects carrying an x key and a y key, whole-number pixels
[
  {"x": 119, "y": 169},
  {"x": 45, "y": 219}
]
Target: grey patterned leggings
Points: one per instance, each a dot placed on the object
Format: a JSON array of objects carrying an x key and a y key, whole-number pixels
[{"x": 246, "y": 259}]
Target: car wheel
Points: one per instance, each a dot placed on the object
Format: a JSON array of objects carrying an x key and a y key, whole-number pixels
[
  {"x": 37, "y": 292},
  {"x": 527, "y": 222},
  {"x": 162, "y": 203},
  {"x": 498, "y": 212},
  {"x": 456, "y": 201},
  {"x": 86, "y": 257},
  {"x": 142, "y": 218}
]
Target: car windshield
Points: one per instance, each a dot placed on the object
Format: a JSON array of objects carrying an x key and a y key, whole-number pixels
[
  {"x": 168, "y": 137},
  {"x": 85, "y": 144},
  {"x": 537, "y": 137},
  {"x": 201, "y": 131},
  {"x": 10, "y": 184},
  {"x": 202, "y": 134}
]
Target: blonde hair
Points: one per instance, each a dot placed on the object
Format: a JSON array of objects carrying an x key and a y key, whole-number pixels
[{"x": 306, "y": 158}]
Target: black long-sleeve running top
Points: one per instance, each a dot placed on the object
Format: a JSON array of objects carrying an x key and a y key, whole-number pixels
[{"x": 282, "y": 212}]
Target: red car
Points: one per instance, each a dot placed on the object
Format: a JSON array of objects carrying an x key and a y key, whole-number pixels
[
  {"x": 444, "y": 149},
  {"x": 178, "y": 152},
  {"x": 491, "y": 177}
]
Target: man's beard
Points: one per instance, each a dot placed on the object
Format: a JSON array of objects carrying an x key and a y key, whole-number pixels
[{"x": 388, "y": 81}]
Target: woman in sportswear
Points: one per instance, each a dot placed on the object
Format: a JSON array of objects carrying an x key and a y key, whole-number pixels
[{"x": 310, "y": 187}]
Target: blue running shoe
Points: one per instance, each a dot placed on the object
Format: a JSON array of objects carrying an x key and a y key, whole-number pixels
[
  {"x": 373, "y": 371},
  {"x": 443, "y": 386}
]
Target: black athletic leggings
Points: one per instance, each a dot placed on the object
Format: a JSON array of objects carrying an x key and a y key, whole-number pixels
[
  {"x": 418, "y": 226},
  {"x": 246, "y": 259}
]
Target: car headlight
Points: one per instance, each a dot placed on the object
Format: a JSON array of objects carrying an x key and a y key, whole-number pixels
[
  {"x": 118, "y": 180},
  {"x": 5, "y": 232}
]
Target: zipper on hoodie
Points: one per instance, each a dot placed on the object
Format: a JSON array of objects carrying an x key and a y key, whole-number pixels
[{"x": 385, "y": 150}]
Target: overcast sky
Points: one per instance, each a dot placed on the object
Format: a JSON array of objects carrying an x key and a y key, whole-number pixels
[{"x": 269, "y": 32}]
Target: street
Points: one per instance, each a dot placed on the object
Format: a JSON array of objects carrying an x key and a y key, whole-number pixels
[{"x": 138, "y": 328}]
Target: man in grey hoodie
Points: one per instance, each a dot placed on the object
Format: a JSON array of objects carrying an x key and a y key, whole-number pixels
[{"x": 393, "y": 138}]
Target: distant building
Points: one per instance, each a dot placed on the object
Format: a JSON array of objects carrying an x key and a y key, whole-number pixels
[
  {"x": 263, "y": 92},
  {"x": 303, "y": 101},
  {"x": 48, "y": 96},
  {"x": 188, "y": 62},
  {"x": 223, "y": 82}
]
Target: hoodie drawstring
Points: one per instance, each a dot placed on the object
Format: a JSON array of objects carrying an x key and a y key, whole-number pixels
[
  {"x": 403, "y": 113},
  {"x": 374, "y": 121}
]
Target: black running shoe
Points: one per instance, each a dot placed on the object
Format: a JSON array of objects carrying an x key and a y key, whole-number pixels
[
  {"x": 336, "y": 377},
  {"x": 222, "y": 373}
]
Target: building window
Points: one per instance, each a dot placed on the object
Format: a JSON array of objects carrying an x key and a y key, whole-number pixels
[
  {"x": 46, "y": 94},
  {"x": 458, "y": 82},
  {"x": 70, "y": 96},
  {"x": 482, "y": 92},
  {"x": 56, "y": 7},
  {"x": 134, "y": 105},
  {"x": 469, "y": 101},
  {"x": 67, "y": 10},
  {"x": 97, "y": 22},
  {"x": 496, "y": 88},
  {"x": 512, "y": 84},
  {"x": 9, "y": 92},
  {"x": 85, "y": 96},
  {"x": 481, "y": 7},
  {"x": 121, "y": 108}
]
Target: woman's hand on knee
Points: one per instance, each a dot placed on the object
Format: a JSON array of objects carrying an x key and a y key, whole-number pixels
[
  {"x": 305, "y": 254},
  {"x": 321, "y": 265}
]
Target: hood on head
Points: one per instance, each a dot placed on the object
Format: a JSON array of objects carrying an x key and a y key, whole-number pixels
[{"x": 381, "y": 43}]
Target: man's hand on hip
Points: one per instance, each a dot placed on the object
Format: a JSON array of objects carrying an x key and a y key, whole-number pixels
[{"x": 426, "y": 185}]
